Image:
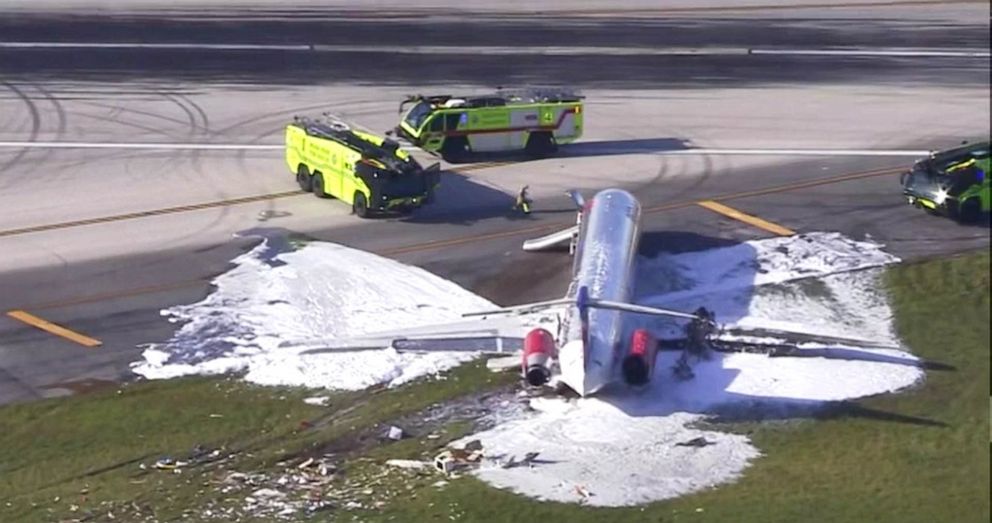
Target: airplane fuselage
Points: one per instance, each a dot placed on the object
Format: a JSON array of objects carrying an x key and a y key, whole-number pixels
[{"x": 605, "y": 257}]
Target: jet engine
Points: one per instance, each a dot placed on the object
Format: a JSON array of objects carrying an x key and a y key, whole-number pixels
[
  {"x": 638, "y": 366},
  {"x": 539, "y": 349}
]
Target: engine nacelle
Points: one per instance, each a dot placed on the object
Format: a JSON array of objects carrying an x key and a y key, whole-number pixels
[
  {"x": 638, "y": 366},
  {"x": 539, "y": 349}
]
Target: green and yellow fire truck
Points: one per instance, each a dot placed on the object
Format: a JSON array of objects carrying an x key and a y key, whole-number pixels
[
  {"x": 954, "y": 182},
  {"x": 371, "y": 173},
  {"x": 536, "y": 121}
]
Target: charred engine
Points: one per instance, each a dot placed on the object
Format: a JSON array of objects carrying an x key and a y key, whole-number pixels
[{"x": 638, "y": 366}]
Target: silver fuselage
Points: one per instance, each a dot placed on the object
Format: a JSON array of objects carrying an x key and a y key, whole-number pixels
[{"x": 604, "y": 264}]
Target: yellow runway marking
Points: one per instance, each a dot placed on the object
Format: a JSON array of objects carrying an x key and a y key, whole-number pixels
[
  {"x": 190, "y": 208},
  {"x": 466, "y": 240},
  {"x": 730, "y": 212},
  {"x": 153, "y": 212},
  {"x": 52, "y": 328}
]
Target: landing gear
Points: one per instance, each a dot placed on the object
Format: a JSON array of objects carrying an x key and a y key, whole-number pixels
[{"x": 697, "y": 342}]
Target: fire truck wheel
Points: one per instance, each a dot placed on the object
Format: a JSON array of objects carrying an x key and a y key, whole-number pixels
[
  {"x": 303, "y": 178},
  {"x": 361, "y": 206},
  {"x": 318, "y": 185},
  {"x": 540, "y": 145},
  {"x": 970, "y": 211}
]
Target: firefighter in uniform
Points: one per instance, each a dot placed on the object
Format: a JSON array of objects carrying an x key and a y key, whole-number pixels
[{"x": 523, "y": 201}]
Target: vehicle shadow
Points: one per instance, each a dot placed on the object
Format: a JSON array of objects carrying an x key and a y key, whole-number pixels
[
  {"x": 683, "y": 271},
  {"x": 582, "y": 149},
  {"x": 462, "y": 200},
  {"x": 983, "y": 222}
]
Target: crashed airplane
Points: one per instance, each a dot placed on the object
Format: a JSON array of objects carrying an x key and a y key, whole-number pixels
[{"x": 592, "y": 348}]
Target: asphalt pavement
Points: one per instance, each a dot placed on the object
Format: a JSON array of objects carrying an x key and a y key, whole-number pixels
[{"x": 101, "y": 240}]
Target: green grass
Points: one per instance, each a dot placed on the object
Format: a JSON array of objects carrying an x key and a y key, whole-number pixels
[
  {"x": 86, "y": 450},
  {"x": 847, "y": 465},
  {"x": 842, "y": 467}
]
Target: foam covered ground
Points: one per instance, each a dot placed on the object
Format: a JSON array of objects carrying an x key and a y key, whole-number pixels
[{"x": 617, "y": 449}]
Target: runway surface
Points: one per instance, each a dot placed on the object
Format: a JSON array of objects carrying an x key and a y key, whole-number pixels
[{"x": 99, "y": 240}]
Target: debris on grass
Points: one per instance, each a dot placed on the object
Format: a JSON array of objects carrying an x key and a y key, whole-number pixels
[
  {"x": 407, "y": 463},
  {"x": 503, "y": 363},
  {"x": 318, "y": 401},
  {"x": 395, "y": 433}
]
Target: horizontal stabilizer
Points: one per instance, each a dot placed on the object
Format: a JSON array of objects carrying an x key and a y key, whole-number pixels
[{"x": 560, "y": 238}]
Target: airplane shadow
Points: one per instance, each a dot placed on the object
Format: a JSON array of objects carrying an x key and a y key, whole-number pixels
[
  {"x": 685, "y": 270},
  {"x": 837, "y": 353}
]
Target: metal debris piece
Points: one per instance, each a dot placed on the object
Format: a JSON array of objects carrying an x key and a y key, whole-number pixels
[
  {"x": 695, "y": 442},
  {"x": 407, "y": 463}
]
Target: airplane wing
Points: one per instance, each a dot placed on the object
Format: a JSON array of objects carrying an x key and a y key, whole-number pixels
[
  {"x": 483, "y": 343},
  {"x": 560, "y": 238},
  {"x": 488, "y": 335},
  {"x": 794, "y": 337}
]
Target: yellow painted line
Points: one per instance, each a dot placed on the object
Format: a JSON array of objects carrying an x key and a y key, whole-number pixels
[
  {"x": 466, "y": 240},
  {"x": 52, "y": 328},
  {"x": 730, "y": 212},
  {"x": 153, "y": 212},
  {"x": 189, "y": 208}
]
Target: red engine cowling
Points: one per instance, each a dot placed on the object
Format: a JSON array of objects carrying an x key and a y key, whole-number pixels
[
  {"x": 638, "y": 366},
  {"x": 539, "y": 349}
]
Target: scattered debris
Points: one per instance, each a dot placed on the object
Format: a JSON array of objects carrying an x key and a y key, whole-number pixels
[
  {"x": 267, "y": 493},
  {"x": 695, "y": 442},
  {"x": 168, "y": 463},
  {"x": 503, "y": 363},
  {"x": 407, "y": 463},
  {"x": 445, "y": 463},
  {"x": 453, "y": 459},
  {"x": 236, "y": 477},
  {"x": 319, "y": 401},
  {"x": 395, "y": 433}
]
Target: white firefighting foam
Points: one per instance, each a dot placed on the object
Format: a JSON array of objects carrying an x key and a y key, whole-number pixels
[{"x": 618, "y": 449}]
